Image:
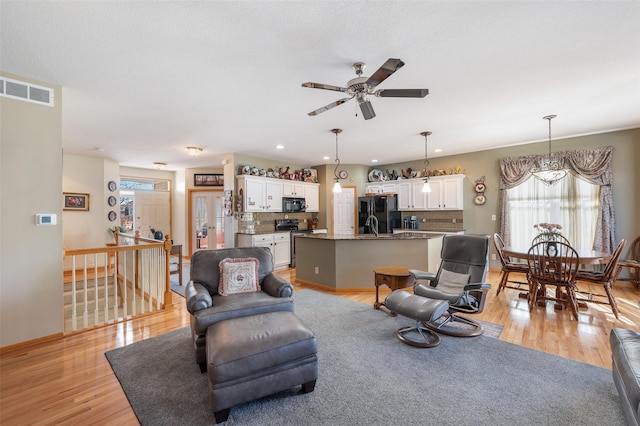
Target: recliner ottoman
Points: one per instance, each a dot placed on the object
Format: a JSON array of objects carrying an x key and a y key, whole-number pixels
[{"x": 258, "y": 355}]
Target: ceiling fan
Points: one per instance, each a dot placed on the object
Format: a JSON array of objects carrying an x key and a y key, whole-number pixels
[{"x": 362, "y": 87}]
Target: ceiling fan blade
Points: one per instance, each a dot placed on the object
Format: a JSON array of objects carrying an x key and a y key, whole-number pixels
[
  {"x": 323, "y": 86},
  {"x": 328, "y": 107},
  {"x": 367, "y": 110},
  {"x": 402, "y": 93},
  {"x": 388, "y": 68}
]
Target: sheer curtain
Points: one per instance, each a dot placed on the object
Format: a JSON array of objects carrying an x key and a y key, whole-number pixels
[
  {"x": 572, "y": 203},
  {"x": 592, "y": 166}
]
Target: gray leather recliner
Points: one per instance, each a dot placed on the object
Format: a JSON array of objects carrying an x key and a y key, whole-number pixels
[
  {"x": 207, "y": 307},
  {"x": 625, "y": 357}
]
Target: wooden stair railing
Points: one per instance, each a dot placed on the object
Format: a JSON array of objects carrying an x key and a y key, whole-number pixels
[{"x": 116, "y": 283}]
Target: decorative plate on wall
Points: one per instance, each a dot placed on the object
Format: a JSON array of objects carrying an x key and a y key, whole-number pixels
[
  {"x": 112, "y": 185},
  {"x": 112, "y": 215},
  {"x": 112, "y": 200}
]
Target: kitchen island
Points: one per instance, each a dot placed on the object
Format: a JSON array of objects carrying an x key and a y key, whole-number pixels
[{"x": 346, "y": 262}]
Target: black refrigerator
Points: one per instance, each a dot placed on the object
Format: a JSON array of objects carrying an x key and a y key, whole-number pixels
[{"x": 384, "y": 208}]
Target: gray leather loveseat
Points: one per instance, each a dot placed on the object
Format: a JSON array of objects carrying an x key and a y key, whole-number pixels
[
  {"x": 625, "y": 355},
  {"x": 208, "y": 307}
]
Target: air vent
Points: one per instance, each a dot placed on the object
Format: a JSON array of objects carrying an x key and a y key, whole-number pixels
[{"x": 23, "y": 91}]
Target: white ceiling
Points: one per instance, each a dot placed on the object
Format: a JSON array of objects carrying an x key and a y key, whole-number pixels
[{"x": 143, "y": 80}]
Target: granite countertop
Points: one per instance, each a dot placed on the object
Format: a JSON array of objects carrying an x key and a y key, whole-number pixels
[
  {"x": 343, "y": 237},
  {"x": 429, "y": 231},
  {"x": 263, "y": 232}
]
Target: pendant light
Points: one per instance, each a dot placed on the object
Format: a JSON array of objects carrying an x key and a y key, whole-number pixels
[
  {"x": 336, "y": 185},
  {"x": 549, "y": 171},
  {"x": 427, "y": 186}
]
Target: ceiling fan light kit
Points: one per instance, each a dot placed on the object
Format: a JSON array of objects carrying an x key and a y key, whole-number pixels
[{"x": 363, "y": 87}]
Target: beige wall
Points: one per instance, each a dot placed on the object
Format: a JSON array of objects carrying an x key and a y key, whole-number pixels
[
  {"x": 89, "y": 175},
  {"x": 30, "y": 183}
]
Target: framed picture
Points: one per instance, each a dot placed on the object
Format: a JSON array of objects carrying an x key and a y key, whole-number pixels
[
  {"x": 73, "y": 201},
  {"x": 206, "y": 179}
]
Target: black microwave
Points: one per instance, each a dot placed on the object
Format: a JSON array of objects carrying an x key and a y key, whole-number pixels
[{"x": 293, "y": 205}]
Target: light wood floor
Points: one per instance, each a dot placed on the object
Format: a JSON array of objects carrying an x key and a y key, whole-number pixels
[{"x": 69, "y": 381}]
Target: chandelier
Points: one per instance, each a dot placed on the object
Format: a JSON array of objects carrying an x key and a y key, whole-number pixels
[
  {"x": 549, "y": 171},
  {"x": 427, "y": 186}
]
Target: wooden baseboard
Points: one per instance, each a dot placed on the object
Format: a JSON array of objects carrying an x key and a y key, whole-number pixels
[
  {"x": 27, "y": 343},
  {"x": 335, "y": 290}
]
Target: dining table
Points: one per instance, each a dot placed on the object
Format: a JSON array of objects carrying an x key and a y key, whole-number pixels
[{"x": 586, "y": 257}]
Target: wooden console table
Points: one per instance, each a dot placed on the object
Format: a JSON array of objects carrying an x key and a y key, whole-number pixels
[
  {"x": 394, "y": 277},
  {"x": 176, "y": 250}
]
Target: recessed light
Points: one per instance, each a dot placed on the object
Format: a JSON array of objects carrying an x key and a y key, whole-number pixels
[
  {"x": 437, "y": 150},
  {"x": 326, "y": 157},
  {"x": 279, "y": 146},
  {"x": 374, "y": 161}
]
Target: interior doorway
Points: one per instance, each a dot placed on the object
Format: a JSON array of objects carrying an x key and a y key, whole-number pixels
[
  {"x": 344, "y": 211},
  {"x": 206, "y": 221}
]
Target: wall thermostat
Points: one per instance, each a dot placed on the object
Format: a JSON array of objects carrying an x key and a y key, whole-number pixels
[{"x": 45, "y": 219}]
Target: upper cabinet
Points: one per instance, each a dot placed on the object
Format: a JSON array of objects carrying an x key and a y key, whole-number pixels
[
  {"x": 293, "y": 189},
  {"x": 265, "y": 194},
  {"x": 446, "y": 193},
  {"x": 261, "y": 194},
  {"x": 312, "y": 196},
  {"x": 381, "y": 188}
]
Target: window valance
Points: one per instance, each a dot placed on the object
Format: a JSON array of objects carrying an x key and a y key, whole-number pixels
[{"x": 591, "y": 165}]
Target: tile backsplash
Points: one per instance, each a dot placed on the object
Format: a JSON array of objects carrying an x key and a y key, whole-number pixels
[
  {"x": 261, "y": 223},
  {"x": 444, "y": 220}
]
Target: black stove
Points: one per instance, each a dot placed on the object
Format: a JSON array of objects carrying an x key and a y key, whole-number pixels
[
  {"x": 292, "y": 226},
  {"x": 286, "y": 224}
]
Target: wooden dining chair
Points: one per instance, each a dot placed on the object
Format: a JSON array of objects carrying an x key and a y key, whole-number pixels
[
  {"x": 606, "y": 278},
  {"x": 508, "y": 266},
  {"x": 632, "y": 262},
  {"x": 553, "y": 263},
  {"x": 548, "y": 237}
]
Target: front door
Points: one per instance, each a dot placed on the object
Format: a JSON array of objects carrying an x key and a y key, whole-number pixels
[{"x": 207, "y": 228}]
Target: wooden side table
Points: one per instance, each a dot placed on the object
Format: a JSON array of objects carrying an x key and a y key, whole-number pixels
[{"x": 394, "y": 277}]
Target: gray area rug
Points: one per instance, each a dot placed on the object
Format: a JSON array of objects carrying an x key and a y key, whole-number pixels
[{"x": 368, "y": 377}]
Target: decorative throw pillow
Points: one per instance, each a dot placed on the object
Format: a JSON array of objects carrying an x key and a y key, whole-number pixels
[
  {"x": 452, "y": 280},
  {"x": 239, "y": 275}
]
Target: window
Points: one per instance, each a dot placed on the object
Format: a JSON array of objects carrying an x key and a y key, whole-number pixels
[{"x": 572, "y": 203}]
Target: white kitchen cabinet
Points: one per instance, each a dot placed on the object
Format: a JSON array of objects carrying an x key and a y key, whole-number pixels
[
  {"x": 410, "y": 195},
  {"x": 404, "y": 195},
  {"x": 279, "y": 243},
  {"x": 312, "y": 197},
  {"x": 446, "y": 193},
  {"x": 260, "y": 194},
  {"x": 381, "y": 188},
  {"x": 293, "y": 189}
]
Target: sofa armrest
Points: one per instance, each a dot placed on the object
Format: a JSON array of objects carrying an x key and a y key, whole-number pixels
[
  {"x": 197, "y": 297},
  {"x": 276, "y": 286}
]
